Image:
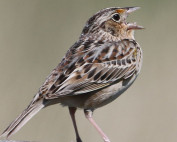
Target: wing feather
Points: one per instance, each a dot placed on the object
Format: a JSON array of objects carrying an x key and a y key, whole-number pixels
[{"x": 97, "y": 68}]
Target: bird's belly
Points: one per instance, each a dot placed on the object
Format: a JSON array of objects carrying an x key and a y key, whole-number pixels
[
  {"x": 97, "y": 99},
  {"x": 108, "y": 94}
]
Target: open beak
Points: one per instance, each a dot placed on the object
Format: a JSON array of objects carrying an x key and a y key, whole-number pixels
[
  {"x": 132, "y": 9},
  {"x": 133, "y": 26}
]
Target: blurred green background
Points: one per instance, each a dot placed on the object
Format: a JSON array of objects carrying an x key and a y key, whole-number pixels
[{"x": 35, "y": 35}]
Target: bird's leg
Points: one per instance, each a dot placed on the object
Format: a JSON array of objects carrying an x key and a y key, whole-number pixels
[
  {"x": 88, "y": 115},
  {"x": 72, "y": 111}
]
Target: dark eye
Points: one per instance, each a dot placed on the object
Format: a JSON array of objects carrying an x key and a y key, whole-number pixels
[{"x": 116, "y": 17}]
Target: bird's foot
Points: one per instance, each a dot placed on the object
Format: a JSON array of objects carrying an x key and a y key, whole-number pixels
[
  {"x": 78, "y": 140},
  {"x": 106, "y": 140}
]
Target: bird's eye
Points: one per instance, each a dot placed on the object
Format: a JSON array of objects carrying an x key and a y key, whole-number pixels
[{"x": 116, "y": 17}]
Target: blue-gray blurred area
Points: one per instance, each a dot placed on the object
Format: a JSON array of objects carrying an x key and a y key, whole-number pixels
[{"x": 35, "y": 35}]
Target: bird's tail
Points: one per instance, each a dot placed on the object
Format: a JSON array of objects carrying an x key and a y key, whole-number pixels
[{"x": 23, "y": 118}]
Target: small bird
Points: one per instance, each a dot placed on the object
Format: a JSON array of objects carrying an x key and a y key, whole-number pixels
[{"x": 99, "y": 67}]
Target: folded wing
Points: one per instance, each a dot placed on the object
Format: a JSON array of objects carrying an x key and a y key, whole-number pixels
[{"x": 94, "y": 69}]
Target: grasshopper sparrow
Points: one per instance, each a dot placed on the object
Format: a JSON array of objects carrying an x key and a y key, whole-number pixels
[{"x": 99, "y": 67}]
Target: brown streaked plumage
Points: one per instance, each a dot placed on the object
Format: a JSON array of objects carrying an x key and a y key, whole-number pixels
[{"x": 98, "y": 68}]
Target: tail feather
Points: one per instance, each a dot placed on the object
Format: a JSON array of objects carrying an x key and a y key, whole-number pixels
[{"x": 23, "y": 118}]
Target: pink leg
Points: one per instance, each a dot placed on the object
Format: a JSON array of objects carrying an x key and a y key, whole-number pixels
[
  {"x": 88, "y": 115},
  {"x": 72, "y": 111}
]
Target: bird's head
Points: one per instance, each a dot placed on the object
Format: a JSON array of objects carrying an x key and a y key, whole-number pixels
[{"x": 112, "y": 22}]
